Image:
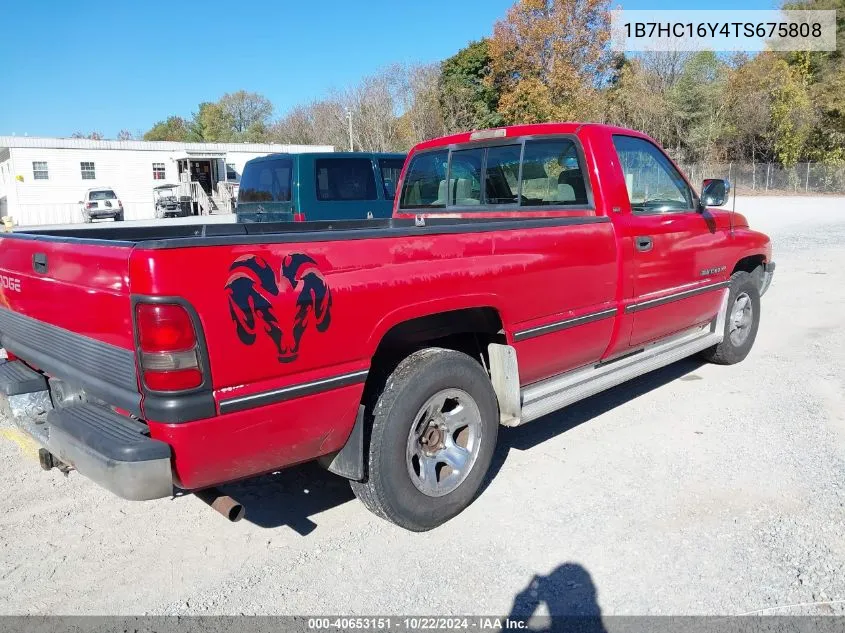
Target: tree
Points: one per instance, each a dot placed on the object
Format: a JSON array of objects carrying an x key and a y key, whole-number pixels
[
  {"x": 211, "y": 124},
  {"x": 173, "y": 128},
  {"x": 297, "y": 127},
  {"x": 125, "y": 135},
  {"x": 637, "y": 99},
  {"x": 317, "y": 123},
  {"x": 468, "y": 100},
  {"x": 375, "y": 126},
  {"x": 824, "y": 72},
  {"x": 246, "y": 111},
  {"x": 94, "y": 136},
  {"x": 791, "y": 118},
  {"x": 698, "y": 107},
  {"x": 549, "y": 57},
  {"x": 415, "y": 93}
]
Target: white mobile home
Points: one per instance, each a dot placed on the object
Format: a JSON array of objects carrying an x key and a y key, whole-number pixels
[{"x": 43, "y": 180}]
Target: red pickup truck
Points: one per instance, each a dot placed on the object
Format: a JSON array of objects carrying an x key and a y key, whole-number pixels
[{"x": 524, "y": 268}]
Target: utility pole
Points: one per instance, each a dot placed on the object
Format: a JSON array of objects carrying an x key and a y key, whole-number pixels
[{"x": 349, "y": 118}]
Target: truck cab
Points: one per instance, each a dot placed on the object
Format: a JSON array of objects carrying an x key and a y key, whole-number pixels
[{"x": 319, "y": 186}]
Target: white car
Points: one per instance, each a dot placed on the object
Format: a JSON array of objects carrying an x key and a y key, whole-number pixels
[{"x": 101, "y": 203}]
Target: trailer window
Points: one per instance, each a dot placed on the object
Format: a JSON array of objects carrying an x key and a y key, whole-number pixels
[
  {"x": 345, "y": 179},
  {"x": 266, "y": 181},
  {"x": 40, "y": 171},
  {"x": 425, "y": 181}
]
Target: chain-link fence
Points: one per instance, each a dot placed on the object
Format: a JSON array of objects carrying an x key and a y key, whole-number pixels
[{"x": 770, "y": 178}]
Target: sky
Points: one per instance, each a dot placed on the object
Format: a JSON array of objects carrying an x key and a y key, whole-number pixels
[{"x": 106, "y": 66}]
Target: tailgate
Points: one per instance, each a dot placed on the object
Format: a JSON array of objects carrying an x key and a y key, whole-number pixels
[{"x": 65, "y": 309}]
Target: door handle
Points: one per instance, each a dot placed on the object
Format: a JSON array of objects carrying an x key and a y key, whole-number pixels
[{"x": 644, "y": 243}]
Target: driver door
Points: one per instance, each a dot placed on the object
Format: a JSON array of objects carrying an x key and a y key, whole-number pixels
[{"x": 677, "y": 251}]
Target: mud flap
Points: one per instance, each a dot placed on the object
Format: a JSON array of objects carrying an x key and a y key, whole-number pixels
[{"x": 348, "y": 462}]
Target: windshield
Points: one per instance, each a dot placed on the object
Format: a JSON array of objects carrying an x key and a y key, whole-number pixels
[
  {"x": 266, "y": 181},
  {"x": 105, "y": 194}
]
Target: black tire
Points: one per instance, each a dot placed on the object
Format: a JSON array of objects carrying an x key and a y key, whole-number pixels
[
  {"x": 119, "y": 217},
  {"x": 389, "y": 491},
  {"x": 729, "y": 352}
]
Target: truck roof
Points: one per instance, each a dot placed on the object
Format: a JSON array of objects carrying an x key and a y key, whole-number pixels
[
  {"x": 568, "y": 127},
  {"x": 317, "y": 155}
]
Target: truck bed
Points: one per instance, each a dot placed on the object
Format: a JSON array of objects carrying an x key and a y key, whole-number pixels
[{"x": 185, "y": 235}]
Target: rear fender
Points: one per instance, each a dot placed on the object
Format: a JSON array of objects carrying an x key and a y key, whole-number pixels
[{"x": 430, "y": 308}]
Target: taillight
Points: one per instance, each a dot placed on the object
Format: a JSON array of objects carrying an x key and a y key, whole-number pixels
[
  {"x": 90, "y": 205},
  {"x": 120, "y": 204},
  {"x": 299, "y": 217},
  {"x": 167, "y": 344}
]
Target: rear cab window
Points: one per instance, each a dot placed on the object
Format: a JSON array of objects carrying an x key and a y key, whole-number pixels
[
  {"x": 425, "y": 181},
  {"x": 519, "y": 174},
  {"x": 552, "y": 174},
  {"x": 465, "y": 177},
  {"x": 266, "y": 181},
  {"x": 343, "y": 179},
  {"x": 102, "y": 194}
]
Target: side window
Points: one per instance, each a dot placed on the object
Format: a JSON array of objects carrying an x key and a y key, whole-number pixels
[
  {"x": 425, "y": 181},
  {"x": 390, "y": 169},
  {"x": 653, "y": 183},
  {"x": 345, "y": 179},
  {"x": 501, "y": 177},
  {"x": 552, "y": 174},
  {"x": 465, "y": 177}
]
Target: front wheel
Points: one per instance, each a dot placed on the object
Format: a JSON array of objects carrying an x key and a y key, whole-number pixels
[
  {"x": 741, "y": 322},
  {"x": 434, "y": 430}
]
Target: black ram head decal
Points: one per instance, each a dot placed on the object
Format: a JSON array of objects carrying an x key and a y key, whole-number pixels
[{"x": 253, "y": 290}]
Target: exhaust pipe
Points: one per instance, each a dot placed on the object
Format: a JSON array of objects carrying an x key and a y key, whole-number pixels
[{"x": 224, "y": 504}]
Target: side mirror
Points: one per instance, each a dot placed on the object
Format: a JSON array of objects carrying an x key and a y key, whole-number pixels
[{"x": 715, "y": 192}]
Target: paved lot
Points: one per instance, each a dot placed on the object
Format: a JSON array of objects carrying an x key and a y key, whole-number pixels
[{"x": 695, "y": 490}]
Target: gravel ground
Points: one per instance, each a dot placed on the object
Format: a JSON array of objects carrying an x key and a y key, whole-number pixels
[{"x": 694, "y": 490}]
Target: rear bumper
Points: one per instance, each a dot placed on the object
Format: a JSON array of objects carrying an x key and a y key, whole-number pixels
[{"x": 112, "y": 450}]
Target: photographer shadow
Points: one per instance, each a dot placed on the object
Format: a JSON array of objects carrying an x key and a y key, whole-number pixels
[{"x": 569, "y": 596}]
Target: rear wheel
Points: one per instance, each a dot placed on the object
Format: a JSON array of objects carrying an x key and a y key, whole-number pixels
[
  {"x": 119, "y": 217},
  {"x": 741, "y": 323},
  {"x": 433, "y": 434}
]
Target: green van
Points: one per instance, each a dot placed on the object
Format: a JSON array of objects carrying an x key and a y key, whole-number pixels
[{"x": 318, "y": 186}]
